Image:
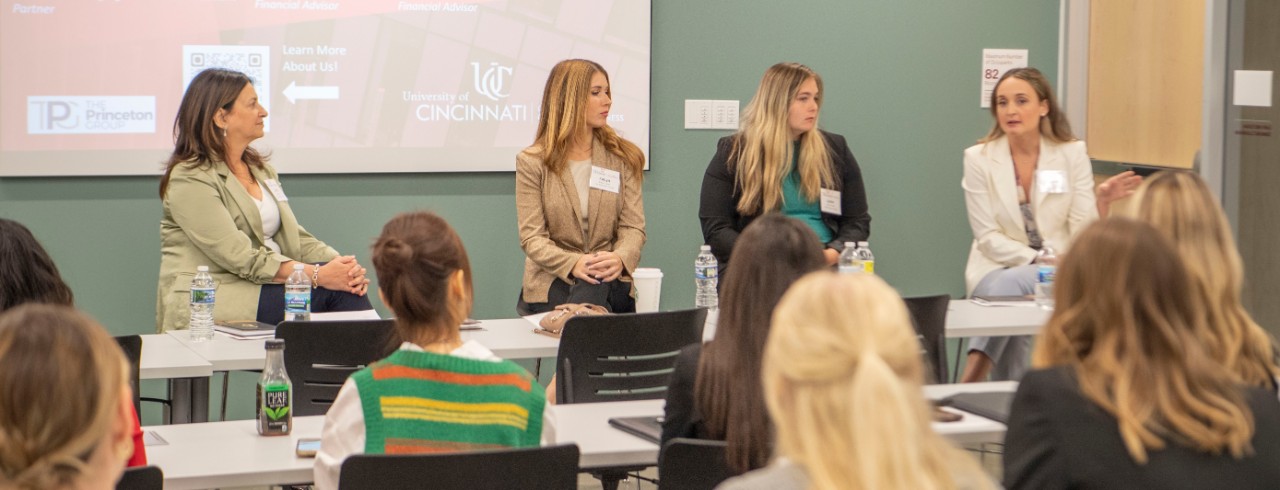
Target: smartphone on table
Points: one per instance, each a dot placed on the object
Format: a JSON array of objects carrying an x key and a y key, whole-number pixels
[{"x": 307, "y": 447}]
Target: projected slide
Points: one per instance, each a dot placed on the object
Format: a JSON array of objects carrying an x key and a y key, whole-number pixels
[{"x": 91, "y": 87}]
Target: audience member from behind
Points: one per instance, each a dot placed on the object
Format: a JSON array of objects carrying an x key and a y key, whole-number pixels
[
  {"x": 1180, "y": 205},
  {"x": 579, "y": 203},
  {"x": 479, "y": 400},
  {"x": 780, "y": 161},
  {"x": 224, "y": 208},
  {"x": 66, "y": 413},
  {"x": 715, "y": 391},
  {"x": 1125, "y": 393},
  {"x": 1027, "y": 184},
  {"x": 842, "y": 381},
  {"x": 28, "y": 275}
]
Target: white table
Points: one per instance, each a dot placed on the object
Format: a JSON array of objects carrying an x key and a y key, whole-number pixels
[
  {"x": 164, "y": 357},
  {"x": 231, "y": 454},
  {"x": 967, "y": 319}
]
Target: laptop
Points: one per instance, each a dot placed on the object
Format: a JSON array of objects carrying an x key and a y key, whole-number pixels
[
  {"x": 993, "y": 405},
  {"x": 648, "y": 428}
]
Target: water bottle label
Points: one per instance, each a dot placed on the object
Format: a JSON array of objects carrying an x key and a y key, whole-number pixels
[
  {"x": 849, "y": 269},
  {"x": 297, "y": 302},
  {"x": 274, "y": 407},
  {"x": 704, "y": 272},
  {"x": 205, "y": 296},
  {"x": 1046, "y": 274},
  {"x": 869, "y": 266}
]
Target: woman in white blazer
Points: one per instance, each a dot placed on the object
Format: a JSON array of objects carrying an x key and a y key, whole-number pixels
[{"x": 1027, "y": 184}]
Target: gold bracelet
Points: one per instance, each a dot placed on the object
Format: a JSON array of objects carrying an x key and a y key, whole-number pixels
[{"x": 315, "y": 277}]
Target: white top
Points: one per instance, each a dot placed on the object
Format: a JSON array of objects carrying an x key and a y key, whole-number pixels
[
  {"x": 343, "y": 433},
  {"x": 581, "y": 171},
  {"x": 270, "y": 213}
]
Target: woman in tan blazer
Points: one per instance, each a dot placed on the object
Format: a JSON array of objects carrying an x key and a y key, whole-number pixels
[
  {"x": 578, "y": 198},
  {"x": 224, "y": 208}
]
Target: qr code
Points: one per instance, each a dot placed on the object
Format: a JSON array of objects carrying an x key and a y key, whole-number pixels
[{"x": 250, "y": 60}]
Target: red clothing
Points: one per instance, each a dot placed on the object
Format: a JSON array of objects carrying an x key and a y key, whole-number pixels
[{"x": 139, "y": 457}]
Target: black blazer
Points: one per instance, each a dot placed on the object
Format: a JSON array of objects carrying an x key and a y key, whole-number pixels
[
  {"x": 721, "y": 222},
  {"x": 1058, "y": 439},
  {"x": 681, "y": 418}
]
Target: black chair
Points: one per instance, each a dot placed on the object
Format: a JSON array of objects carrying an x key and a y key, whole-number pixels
[
  {"x": 692, "y": 464},
  {"x": 622, "y": 357},
  {"x": 141, "y": 478},
  {"x": 551, "y": 467},
  {"x": 319, "y": 357},
  {"x": 929, "y": 315},
  {"x": 131, "y": 345}
]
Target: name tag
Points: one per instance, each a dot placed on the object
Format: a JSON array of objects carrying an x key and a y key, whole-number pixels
[
  {"x": 1051, "y": 181},
  {"x": 605, "y": 179},
  {"x": 831, "y": 202},
  {"x": 275, "y": 189}
]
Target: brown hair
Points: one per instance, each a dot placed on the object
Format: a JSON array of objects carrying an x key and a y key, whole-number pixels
[
  {"x": 1053, "y": 125},
  {"x": 564, "y": 99},
  {"x": 63, "y": 379},
  {"x": 773, "y": 252},
  {"x": 416, "y": 257},
  {"x": 1179, "y": 204},
  {"x": 27, "y": 274},
  {"x": 763, "y": 150},
  {"x": 1127, "y": 322},
  {"x": 196, "y": 139}
]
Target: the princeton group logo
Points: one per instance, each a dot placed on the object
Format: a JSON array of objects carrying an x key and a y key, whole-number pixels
[
  {"x": 493, "y": 83},
  {"x": 77, "y": 114}
]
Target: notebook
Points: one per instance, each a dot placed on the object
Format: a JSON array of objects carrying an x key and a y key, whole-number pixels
[
  {"x": 993, "y": 405},
  {"x": 647, "y": 428},
  {"x": 246, "y": 329}
]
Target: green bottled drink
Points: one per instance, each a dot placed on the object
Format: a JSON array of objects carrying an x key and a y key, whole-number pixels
[{"x": 275, "y": 394}]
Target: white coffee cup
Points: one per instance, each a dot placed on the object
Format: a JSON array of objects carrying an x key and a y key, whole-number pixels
[{"x": 648, "y": 288}]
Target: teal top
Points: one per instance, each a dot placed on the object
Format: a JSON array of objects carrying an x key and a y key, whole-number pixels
[{"x": 796, "y": 206}]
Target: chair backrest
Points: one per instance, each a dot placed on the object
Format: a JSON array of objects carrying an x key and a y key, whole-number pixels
[
  {"x": 929, "y": 315},
  {"x": 692, "y": 464},
  {"x": 320, "y": 356},
  {"x": 622, "y": 357},
  {"x": 132, "y": 347},
  {"x": 141, "y": 478},
  {"x": 553, "y": 467}
]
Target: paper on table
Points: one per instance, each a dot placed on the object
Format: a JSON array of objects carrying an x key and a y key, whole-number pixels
[
  {"x": 150, "y": 438},
  {"x": 345, "y": 315},
  {"x": 984, "y": 302},
  {"x": 536, "y": 318}
]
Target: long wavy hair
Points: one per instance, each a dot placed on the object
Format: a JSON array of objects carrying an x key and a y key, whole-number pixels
[
  {"x": 417, "y": 257},
  {"x": 564, "y": 102},
  {"x": 1053, "y": 125},
  {"x": 197, "y": 141},
  {"x": 27, "y": 273},
  {"x": 772, "y": 253},
  {"x": 842, "y": 380},
  {"x": 64, "y": 381},
  {"x": 763, "y": 148},
  {"x": 1128, "y": 322},
  {"x": 1179, "y": 204}
]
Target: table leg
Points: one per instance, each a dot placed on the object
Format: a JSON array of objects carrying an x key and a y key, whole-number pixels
[{"x": 189, "y": 400}]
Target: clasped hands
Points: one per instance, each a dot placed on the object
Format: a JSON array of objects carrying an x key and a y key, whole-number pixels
[
  {"x": 598, "y": 267},
  {"x": 344, "y": 273}
]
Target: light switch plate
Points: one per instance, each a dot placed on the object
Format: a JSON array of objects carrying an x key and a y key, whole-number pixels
[{"x": 711, "y": 114}]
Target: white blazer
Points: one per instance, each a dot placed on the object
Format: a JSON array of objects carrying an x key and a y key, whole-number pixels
[{"x": 991, "y": 196}]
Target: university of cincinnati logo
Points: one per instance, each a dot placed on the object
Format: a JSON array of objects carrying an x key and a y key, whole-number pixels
[{"x": 493, "y": 82}]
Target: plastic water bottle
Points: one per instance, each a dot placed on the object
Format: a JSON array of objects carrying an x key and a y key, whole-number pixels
[
  {"x": 203, "y": 293},
  {"x": 848, "y": 262},
  {"x": 275, "y": 393},
  {"x": 1048, "y": 266},
  {"x": 297, "y": 295},
  {"x": 867, "y": 258},
  {"x": 706, "y": 272}
]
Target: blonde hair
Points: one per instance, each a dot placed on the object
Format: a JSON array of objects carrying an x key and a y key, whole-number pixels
[
  {"x": 564, "y": 100},
  {"x": 1126, "y": 322},
  {"x": 1053, "y": 125},
  {"x": 762, "y": 149},
  {"x": 842, "y": 379},
  {"x": 62, "y": 378},
  {"x": 1180, "y": 206}
]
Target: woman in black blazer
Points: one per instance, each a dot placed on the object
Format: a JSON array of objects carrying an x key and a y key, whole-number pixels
[
  {"x": 718, "y": 385},
  {"x": 1125, "y": 394}
]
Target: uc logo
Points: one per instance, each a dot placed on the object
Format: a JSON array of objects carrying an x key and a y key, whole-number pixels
[{"x": 493, "y": 82}]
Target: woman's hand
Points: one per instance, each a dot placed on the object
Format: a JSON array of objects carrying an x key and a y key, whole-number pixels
[
  {"x": 598, "y": 267},
  {"x": 344, "y": 273},
  {"x": 831, "y": 255},
  {"x": 1118, "y": 187}
]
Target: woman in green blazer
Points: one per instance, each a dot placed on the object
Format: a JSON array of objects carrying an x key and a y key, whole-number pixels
[{"x": 224, "y": 208}]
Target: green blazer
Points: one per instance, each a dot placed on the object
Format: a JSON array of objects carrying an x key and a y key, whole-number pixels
[{"x": 210, "y": 219}]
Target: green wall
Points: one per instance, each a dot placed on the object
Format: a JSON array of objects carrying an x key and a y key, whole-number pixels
[{"x": 901, "y": 83}]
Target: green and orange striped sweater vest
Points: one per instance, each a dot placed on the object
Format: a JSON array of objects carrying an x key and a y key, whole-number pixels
[{"x": 423, "y": 402}]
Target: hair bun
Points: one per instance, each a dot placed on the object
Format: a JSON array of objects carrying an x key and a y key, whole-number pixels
[{"x": 392, "y": 254}]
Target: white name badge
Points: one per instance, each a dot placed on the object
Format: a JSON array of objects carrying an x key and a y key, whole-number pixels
[
  {"x": 831, "y": 202},
  {"x": 1051, "y": 181},
  {"x": 275, "y": 189},
  {"x": 605, "y": 179}
]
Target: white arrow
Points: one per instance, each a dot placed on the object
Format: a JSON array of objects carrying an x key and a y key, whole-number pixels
[{"x": 294, "y": 92}]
